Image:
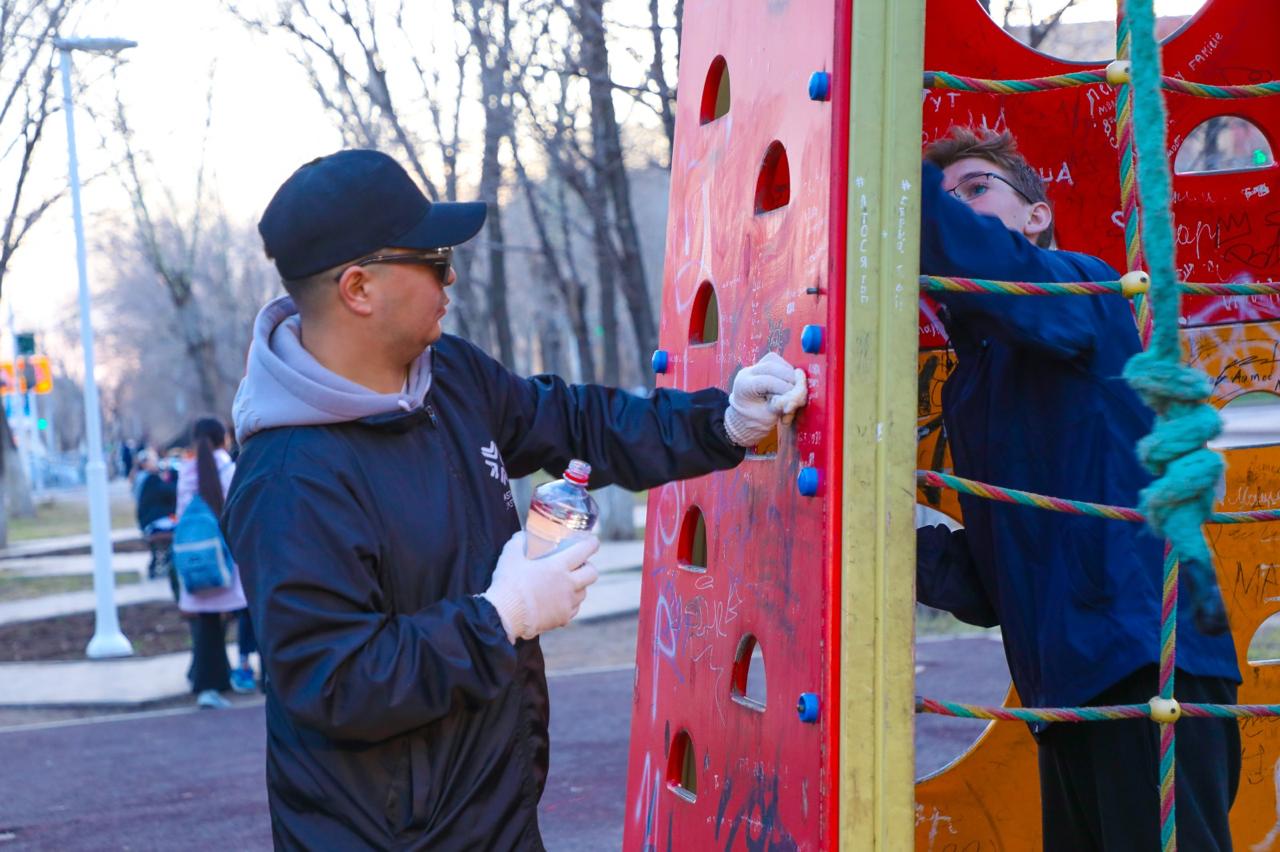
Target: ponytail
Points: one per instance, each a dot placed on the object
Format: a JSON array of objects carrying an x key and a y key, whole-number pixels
[{"x": 206, "y": 434}]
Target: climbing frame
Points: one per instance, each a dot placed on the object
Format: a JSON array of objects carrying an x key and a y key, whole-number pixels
[
  {"x": 747, "y": 564},
  {"x": 1227, "y": 224}
]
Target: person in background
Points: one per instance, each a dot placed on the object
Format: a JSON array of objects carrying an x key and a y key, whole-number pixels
[
  {"x": 155, "y": 494},
  {"x": 207, "y": 471}
]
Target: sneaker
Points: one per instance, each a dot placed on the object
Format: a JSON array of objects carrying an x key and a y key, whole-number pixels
[
  {"x": 242, "y": 680},
  {"x": 210, "y": 699}
]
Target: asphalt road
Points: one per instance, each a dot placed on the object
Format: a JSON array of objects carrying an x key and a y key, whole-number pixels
[{"x": 186, "y": 779}]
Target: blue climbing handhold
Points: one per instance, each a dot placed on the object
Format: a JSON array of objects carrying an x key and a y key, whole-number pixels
[
  {"x": 807, "y": 707},
  {"x": 660, "y": 360},
  {"x": 811, "y": 339},
  {"x": 808, "y": 481},
  {"x": 819, "y": 86}
]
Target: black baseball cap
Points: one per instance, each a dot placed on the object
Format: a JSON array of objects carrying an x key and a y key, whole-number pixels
[{"x": 353, "y": 203}]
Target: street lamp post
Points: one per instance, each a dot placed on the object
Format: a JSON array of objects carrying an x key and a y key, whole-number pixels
[{"x": 108, "y": 640}]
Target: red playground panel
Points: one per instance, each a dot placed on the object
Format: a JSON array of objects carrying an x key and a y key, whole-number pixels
[
  {"x": 720, "y": 756},
  {"x": 744, "y": 566},
  {"x": 1227, "y": 223}
]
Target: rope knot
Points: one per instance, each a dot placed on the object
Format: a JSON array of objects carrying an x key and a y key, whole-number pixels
[{"x": 1187, "y": 473}]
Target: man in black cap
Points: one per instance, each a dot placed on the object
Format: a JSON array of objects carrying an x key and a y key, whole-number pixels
[{"x": 377, "y": 535}]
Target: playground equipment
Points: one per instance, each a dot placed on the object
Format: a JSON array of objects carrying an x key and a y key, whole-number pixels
[{"x": 792, "y": 228}]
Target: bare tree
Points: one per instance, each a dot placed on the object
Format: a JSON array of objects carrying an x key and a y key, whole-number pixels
[
  {"x": 488, "y": 22},
  {"x": 151, "y": 384},
  {"x": 581, "y": 138},
  {"x": 1040, "y": 24},
  {"x": 27, "y": 100},
  {"x": 170, "y": 249},
  {"x": 606, "y": 137},
  {"x": 658, "y": 74}
]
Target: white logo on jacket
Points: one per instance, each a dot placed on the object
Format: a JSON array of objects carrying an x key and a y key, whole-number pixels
[{"x": 493, "y": 459}]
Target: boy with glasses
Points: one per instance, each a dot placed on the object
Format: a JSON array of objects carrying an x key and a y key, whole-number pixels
[
  {"x": 373, "y": 522},
  {"x": 1037, "y": 403}
]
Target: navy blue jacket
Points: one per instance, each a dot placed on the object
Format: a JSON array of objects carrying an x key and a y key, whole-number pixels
[
  {"x": 398, "y": 714},
  {"x": 1037, "y": 403}
]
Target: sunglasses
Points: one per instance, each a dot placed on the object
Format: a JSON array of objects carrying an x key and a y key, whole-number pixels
[{"x": 437, "y": 260}]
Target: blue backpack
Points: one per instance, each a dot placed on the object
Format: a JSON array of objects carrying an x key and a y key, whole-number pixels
[{"x": 200, "y": 553}]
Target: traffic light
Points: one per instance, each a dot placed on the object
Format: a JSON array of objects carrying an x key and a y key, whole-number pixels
[
  {"x": 34, "y": 373},
  {"x": 25, "y": 342},
  {"x": 42, "y": 423}
]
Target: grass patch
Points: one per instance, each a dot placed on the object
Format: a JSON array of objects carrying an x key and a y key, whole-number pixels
[
  {"x": 23, "y": 588},
  {"x": 68, "y": 517}
]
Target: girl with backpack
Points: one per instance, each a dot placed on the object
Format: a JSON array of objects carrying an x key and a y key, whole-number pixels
[{"x": 208, "y": 473}]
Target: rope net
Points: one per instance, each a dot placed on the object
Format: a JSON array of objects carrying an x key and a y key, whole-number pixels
[{"x": 1179, "y": 501}]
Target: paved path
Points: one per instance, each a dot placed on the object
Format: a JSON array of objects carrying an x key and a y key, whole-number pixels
[
  {"x": 68, "y": 544},
  {"x": 143, "y": 680},
  {"x": 192, "y": 779}
]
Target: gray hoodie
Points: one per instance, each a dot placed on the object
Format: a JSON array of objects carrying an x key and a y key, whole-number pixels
[{"x": 285, "y": 386}]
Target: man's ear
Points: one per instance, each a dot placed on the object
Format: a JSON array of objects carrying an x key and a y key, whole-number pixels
[
  {"x": 1039, "y": 218},
  {"x": 353, "y": 291}
]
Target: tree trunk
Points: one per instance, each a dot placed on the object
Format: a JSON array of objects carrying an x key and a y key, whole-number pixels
[
  {"x": 16, "y": 491},
  {"x": 551, "y": 343},
  {"x": 497, "y": 123},
  {"x": 657, "y": 71},
  {"x": 202, "y": 356},
  {"x": 4, "y": 518},
  {"x": 17, "y": 486},
  {"x": 606, "y": 136},
  {"x": 617, "y": 513},
  {"x": 612, "y": 369}
]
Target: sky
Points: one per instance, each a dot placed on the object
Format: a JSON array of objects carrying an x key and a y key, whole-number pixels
[{"x": 266, "y": 122}]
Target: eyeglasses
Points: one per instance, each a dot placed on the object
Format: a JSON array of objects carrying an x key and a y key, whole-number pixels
[
  {"x": 437, "y": 260},
  {"x": 973, "y": 187}
]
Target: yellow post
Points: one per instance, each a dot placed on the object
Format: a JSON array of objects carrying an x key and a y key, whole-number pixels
[{"x": 881, "y": 295}]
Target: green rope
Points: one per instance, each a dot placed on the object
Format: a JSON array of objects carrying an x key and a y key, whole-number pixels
[{"x": 1182, "y": 495}]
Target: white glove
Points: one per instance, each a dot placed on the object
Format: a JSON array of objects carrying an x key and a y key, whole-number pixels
[
  {"x": 767, "y": 391},
  {"x": 533, "y": 596}
]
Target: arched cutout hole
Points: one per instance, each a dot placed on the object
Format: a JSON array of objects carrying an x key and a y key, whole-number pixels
[
  {"x": 1225, "y": 143},
  {"x": 715, "y": 91},
  {"x": 1264, "y": 647},
  {"x": 704, "y": 322},
  {"x": 1249, "y": 420},
  {"x": 767, "y": 448},
  {"x": 1074, "y": 37},
  {"x": 691, "y": 549},
  {"x": 748, "y": 684},
  {"x": 773, "y": 186},
  {"x": 954, "y": 659},
  {"x": 682, "y": 768}
]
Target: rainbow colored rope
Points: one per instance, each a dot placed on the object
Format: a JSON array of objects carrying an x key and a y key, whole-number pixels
[
  {"x": 945, "y": 81},
  {"x": 936, "y": 479},
  {"x": 957, "y": 83},
  {"x": 1101, "y": 713},
  {"x": 946, "y": 284}
]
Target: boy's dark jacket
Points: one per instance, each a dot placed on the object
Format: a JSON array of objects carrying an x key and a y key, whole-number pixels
[
  {"x": 398, "y": 714},
  {"x": 1037, "y": 403}
]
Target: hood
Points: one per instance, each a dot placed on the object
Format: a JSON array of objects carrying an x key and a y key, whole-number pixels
[{"x": 285, "y": 386}]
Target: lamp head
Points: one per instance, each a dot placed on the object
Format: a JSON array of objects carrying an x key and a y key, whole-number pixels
[{"x": 94, "y": 45}]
